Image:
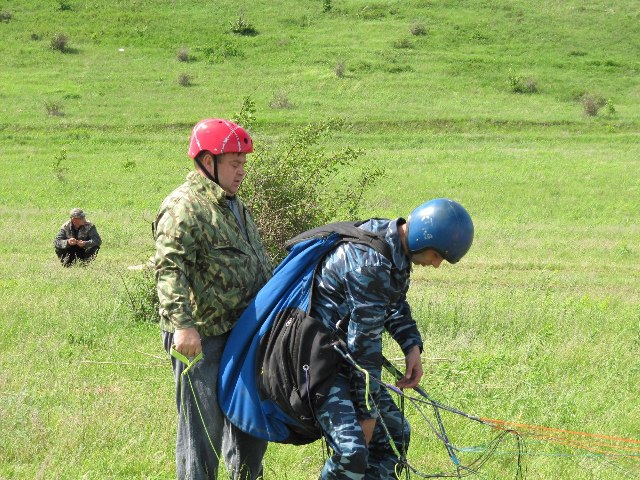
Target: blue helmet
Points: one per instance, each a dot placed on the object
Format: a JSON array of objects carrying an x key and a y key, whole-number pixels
[{"x": 442, "y": 225}]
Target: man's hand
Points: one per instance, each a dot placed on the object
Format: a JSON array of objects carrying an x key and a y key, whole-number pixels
[
  {"x": 81, "y": 243},
  {"x": 413, "y": 372},
  {"x": 187, "y": 342},
  {"x": 72, "y": 241}
]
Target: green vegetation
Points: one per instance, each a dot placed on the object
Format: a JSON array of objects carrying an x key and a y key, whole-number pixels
[{"x": 525, "y": 112}]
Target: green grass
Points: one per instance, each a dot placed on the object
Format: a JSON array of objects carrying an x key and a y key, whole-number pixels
[{"x": 538, "y": 324}]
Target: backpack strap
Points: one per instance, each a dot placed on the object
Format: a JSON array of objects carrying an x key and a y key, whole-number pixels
[{"x": 349, "y": 232}]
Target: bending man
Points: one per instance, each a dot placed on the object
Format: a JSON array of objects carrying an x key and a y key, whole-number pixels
[{"x": 358, "y": 285}]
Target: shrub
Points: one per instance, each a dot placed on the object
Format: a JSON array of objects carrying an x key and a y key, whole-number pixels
[
  {"x": 242, "y": 27},
  {"x": 60, "y": 42},
  {"x": 418, "y": 29},
  {"x": 60, "y": 170},
  {"x": 185, "y": 80},
  {"x": 521, "y": 84},
  {"x": 280, "y": 101},
  {"x": 141, "y": 295},
  {"x": 5, "y": 16},
  {"x": 591, "y": 104},
  {"x": 326, "y": 6},
  {"x": 294, "y": 184},
  {"x": 611, "y": 109},
  {"x": 53, "y": 108},
  {"x": 64, "y": 6},
  {"x": 129, "y": 165},
  {"x": 183, "y": 55},
  {"x": 340, "y": 69}
]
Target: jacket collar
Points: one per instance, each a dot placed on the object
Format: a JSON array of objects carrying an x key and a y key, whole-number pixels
[
  {"x": 401, "y": 260},
  {"x": 207, "y": 187}
]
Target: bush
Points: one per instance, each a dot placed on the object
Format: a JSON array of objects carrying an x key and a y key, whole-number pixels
[
  {"x": 60, "y": 170},
  {"x": 418, "y": 29},
  {"x": 591, "y": 104},
  {"x": 280, "y": 101},
  {"x": 183, "y": 55},
  {"x": 64, "y": 6},
  {"x": 59, "y": 42},
  {"x": 53, "y": 108},
  {"x": 242, "y": 27},
  {"x": 326, "y": 6},
  {"x": 185, "y": 80},
  {"x": 295, "y": 185},
  {"x": 141, "y": 295},
  {"x": 5, "y": 16},
  {"x": 340, "y": 69},
  {"x": 521, "y": 84}
]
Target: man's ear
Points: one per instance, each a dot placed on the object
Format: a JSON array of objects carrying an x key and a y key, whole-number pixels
[{"x": 206, "y": 159}]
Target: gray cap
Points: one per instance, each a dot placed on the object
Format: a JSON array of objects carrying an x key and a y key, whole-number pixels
[{"x": 76, "y": 213}]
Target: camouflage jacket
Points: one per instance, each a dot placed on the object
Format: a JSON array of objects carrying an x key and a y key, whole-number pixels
[
  {"x": 86, "y": 232},
  {"x": 356, "y": 282},
  {"x": 206, "y": 271}
]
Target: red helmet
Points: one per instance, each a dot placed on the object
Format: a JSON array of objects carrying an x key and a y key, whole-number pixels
[{"x": 219, "y": 136}]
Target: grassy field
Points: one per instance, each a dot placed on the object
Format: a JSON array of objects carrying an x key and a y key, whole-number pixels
[{"x": 490, "y": 103}]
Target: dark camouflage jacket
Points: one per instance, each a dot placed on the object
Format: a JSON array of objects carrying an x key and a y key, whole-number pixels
[
  {"x": 86, "y": 232},
  {"x": 206, "y": 271},
  {"x": 355, "y": 281}
]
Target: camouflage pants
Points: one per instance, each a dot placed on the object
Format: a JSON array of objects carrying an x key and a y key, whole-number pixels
[
  {"x": 68, "y": 256},
  {"x": 206, "y": 433},
  {"x": 351, "y": 459}
]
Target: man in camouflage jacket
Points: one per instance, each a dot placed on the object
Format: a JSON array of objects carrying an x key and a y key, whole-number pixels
[
  {"x": 357, "y": 284},
  {"x": 77, "y": 240},
  {"x": 210, "y": 262}
]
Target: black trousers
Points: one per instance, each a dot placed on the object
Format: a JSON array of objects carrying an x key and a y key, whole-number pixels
[{"x": 74, "y": 253}]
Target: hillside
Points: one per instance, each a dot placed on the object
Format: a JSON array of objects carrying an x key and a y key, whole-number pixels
[{"x": 528, "y": 113}]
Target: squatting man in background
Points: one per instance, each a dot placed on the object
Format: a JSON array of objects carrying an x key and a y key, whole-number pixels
[
  {"x": 78, "y": 240},
  {"x": 357, "y": 283},
  {"x": 210, "y": 263}
]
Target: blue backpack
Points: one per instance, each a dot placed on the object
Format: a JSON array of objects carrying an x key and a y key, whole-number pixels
[{"x": 279, "y": 362}]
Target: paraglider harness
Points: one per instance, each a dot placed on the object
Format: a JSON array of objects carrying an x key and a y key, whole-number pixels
[{"x": 279, "y": 362}]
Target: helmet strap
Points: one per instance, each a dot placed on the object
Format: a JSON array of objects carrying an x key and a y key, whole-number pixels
[{"x": 213, "y": 178}]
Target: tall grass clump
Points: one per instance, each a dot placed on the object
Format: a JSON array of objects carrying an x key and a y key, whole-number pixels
[
  {"x": 281, "y": 101},
  {"x": 418, "y": 29},
  {"x": 223, "y": 50},
  {"x": 5, "y": 16},
  {"x": 592, "y": 104},
  {"x": 53, "y": 108},
  {"x": 184, "y": 55},
  {"x": 59, "y": 43},
  {"x": 185, "y": 80}
]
